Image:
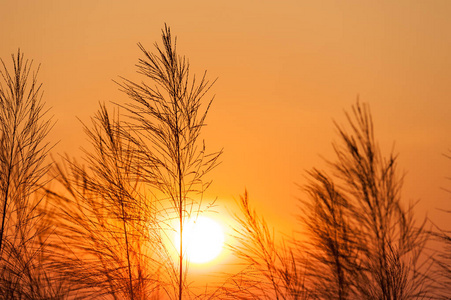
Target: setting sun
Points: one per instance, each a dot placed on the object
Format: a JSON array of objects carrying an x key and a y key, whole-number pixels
[{"x": 203, "y": 239}]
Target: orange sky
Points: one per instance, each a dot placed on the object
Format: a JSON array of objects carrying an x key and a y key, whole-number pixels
[{"x": 285, "y": 68}]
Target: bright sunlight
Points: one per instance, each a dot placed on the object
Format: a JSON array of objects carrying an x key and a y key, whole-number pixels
[{"x": 203, "y": 239}]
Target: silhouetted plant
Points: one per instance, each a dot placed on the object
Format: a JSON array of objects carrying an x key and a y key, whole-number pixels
[
  {"x": 166, "y": 123},
  {"x": 442, "y": 259},
  {"x": 23, "y": 128},
  {"x": 143, "y": 174},
  {"x": 331, "y": 237},
  {"x": 273, "y": 270},
  {"x": 107, "y": 243},
  {"x": 360, "y": 231},
  {"x": 359, "y": 242}
]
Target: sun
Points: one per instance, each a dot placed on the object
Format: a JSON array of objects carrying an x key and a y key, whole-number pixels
[{"x": 203, "y": 239}]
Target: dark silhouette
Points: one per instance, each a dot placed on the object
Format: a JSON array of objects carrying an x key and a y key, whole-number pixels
[
  {"x": 105, "y": 242},
  {"x": 272, "y": 270},
  {"x": 332, "y": 245},
  {"x": 104, "y": 229},
  {"x": 168, "y": 120},
  {"x": 24, "y": 125},
  {"x": 359, "y": 228},
  {"x": 359, "y": 239},
  {"x": 442, "y": 258},
  {"x": 141, "y": 174}
]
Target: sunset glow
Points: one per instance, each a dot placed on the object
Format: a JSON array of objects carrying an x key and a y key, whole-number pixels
[
  {"x": 203, "y": 240},
  {"x": 225, "y": 149}
]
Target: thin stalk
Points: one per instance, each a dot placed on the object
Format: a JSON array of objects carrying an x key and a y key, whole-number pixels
[
  {"x": 10, "y": 157},
  {"x": 181, "y": 248},
  {"x": 128, "y": 255},
  {"x": 124, "y": 222},
  {"x": 7, "y": 190},
  {"x": 179, "y": 171}
]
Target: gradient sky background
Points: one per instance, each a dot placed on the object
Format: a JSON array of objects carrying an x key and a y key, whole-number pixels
[{"x": 286, "y": 69}]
